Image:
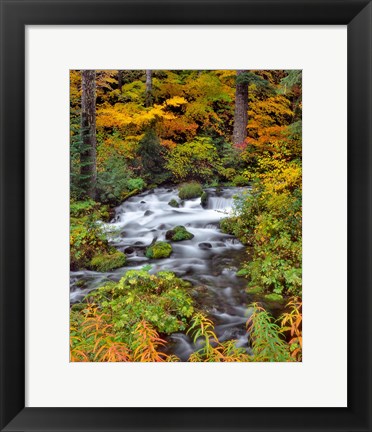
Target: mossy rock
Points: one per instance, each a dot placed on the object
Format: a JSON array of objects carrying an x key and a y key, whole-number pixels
[
  {"x": 254, "y": 290},
  {"x": 108, "y": 261},
  {"x": 190, "y": 190},
  {"x": 173, "y": 203},
  {"x": 127, "y": 195},
  {"x": 159, "y": 250},
  {"x": 273, "y": 297},
  {"x": 219, "y": 190},
  {"x": 178, "y": 233},
  {"x": 204, "y": 200}
]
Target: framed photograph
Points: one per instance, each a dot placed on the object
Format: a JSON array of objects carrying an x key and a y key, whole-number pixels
[{"x": 185, "y": 215}]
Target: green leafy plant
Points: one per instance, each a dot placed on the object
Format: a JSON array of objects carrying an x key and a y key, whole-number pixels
[
  {"x": 115, "y": 181},
  {"x": 212, "y": 350},
  {"x": 268, "y": 345},
  {"x": 161, "y": 300},
  {"x": 194, "y": 160},
  {"x": 96, "y": 340},
  {"x": 291, "y": 326}
]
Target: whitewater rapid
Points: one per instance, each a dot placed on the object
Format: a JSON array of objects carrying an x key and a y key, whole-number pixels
[{"x": 209, "y": 260}]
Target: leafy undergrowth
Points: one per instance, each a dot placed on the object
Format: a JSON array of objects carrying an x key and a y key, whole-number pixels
[
  {"x": 123, "y": 322},
  {"x": 162, "y": 300},
  {"x": 89, "y": 247},
  {"x": 269, "y": 218}
]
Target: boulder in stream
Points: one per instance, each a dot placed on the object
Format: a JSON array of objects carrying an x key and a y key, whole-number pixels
[
  {"x": 178, "y": 233},
  {"x": 204, "y": 200},
  {"x": 159, "y": 250},
  {"x": 107, "y": 261},
  {"x": 205, "y": 245},
  {"x": 173, "y": 203}
]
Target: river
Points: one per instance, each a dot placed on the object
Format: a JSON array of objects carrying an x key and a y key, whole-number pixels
[{"x": 209, "y": 260}]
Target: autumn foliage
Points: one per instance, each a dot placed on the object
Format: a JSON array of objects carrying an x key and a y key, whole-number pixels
[{"x": 182, "y": 132}]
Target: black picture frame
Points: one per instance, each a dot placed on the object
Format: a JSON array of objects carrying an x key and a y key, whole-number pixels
[{"x": 15, "y": 15}]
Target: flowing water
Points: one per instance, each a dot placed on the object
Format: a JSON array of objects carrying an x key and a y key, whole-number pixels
[{"x": 209, "y": 260}]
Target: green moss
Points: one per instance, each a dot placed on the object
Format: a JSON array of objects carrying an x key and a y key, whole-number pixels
[
  {"x": 106, "y": 262},
  {"x": 125, "y": 196},
  {"x": 173, "y": 203},
  {"x": 159, "y": 250},
  {"x": 274, "y": 297},
  {"x": 254, "y": 290},
  {"x": 190, "y": 190},
  {"x": 178, "y": 233}
]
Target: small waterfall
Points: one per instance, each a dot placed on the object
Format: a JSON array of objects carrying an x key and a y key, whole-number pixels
[{"x": 220, "y": 203}]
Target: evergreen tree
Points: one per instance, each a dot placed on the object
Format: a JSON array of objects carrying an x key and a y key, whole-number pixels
[{"x": 152, "y": 157}]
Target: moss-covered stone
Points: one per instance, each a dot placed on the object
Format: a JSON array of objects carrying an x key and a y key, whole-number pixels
[
  {"x": 127, "y": 195},
  {"x": 178, "y": 233},
  {"x": 274, "y": 297},
  {"x": 190, "y": 190},
  {"x": 254, "y": 290},
  {"x": 159, "y": 250},
  {"x": 108, "y": 261},
  {"x": 204, "y": 199},
  {"x": 173, "y": 203}
]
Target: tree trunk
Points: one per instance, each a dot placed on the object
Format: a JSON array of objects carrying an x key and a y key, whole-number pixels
[
  {"x": 241, "y": 111},
  {"x": 88, "y": 172},
  {"x": 148, "y": 97}
]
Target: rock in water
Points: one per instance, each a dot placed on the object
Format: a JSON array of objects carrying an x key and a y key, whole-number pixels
[
  {"x": 159, "y": 250},
  {"x": 173, "y": 203},
  {"x": 178, "y": 233},
  {"x": 205, "y": 245}
]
